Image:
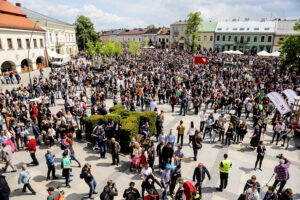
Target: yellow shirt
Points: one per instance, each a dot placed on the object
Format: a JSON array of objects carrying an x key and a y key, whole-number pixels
[{"x": 180, "y": 129}]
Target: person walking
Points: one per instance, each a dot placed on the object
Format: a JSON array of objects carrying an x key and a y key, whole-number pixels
[
  {"x": 51, "y": 164},
  {"x": 282, "y": 173},
  {"x": 171, "y": 138},
  {"x": 88, "y": 176},
  {"x": 180, "y": 131},
  {"x": 24, "y": 178},
  {"x": 7, "y": 154},
  {"x": 199, "y": 176},
  {"x": 66, "y": 167},
  {"x": 288, "y": 134},
  {"x": 166, "y": 179},
  {"x": 115, "y": 150},
  {"x": 32, "y": 149},
  {"x": 191, "y": 132},
  {"x": 196, "y": 144},
  {"x": 102, "y": 143},
  {"x": 224, "y": 168},
  {"x": 175, "y": 175},
  {"x": 261, "y": 149}
]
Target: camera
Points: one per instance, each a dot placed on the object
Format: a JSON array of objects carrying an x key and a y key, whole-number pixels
[{"x": 279, "y": 156}]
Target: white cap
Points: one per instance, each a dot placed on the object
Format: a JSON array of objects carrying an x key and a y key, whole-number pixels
[{"x": 281, "y": 161}]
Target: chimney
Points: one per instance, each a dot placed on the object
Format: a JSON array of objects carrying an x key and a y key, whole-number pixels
[{"x": 18, "y": 4}]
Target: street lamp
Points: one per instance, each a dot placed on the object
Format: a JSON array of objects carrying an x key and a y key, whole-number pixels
[{"x": 29, "y": 52}]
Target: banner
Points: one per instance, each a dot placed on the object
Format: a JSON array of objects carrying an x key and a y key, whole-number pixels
[
  {"x": 200, "y": 60},
  {"x": 279, "y": 102},
  {"x": 290, "y": 94}
]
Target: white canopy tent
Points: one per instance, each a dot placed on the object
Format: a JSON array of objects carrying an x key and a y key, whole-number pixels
[
  {"x": 275, "y": 54},
  {"x": 237, "y": 52},
  {"x": 263, "y": 53},
  {"x": 228, "y": 52}
]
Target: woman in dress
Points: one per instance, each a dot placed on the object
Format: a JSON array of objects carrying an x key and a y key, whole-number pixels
[
  {"x": 137, "y": 153},
  {"x": 255, "y": 137}
]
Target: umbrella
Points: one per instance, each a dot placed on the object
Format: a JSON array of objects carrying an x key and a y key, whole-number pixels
[
  {"x": 263, "y": 53},
  {"x": 228, "y": 52},
  {"x": 237, "y": 52},
  {"x": 275, "y": 54}
]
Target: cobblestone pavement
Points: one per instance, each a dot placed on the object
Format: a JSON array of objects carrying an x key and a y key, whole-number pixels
[{"x": 211, "y": 154}]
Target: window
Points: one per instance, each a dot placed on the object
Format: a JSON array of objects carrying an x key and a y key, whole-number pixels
[
  {"x": 242, "y": 39},
  {"x": 218, "y": 38},
  {"x": 255, "y": 39},
  {"x": 50, "y": 36},
  {"x": 235, "y": 29},
  {"x": 266, "y": 29},
  {"x": 235, "y": 38},
  {"x": 41, "y": 43},
  {"x": 219, "y": 29},
  {"x": 256, "y": 29},
  {"x": 227, "y": 29},
  {"x": 262, "y": 39},
  {"x": 280, "y": 38},
  {"x": 242, "y": 29},
  {"x": 159, "y": 39},
  {"x": 248, "y": 38},
  {"x": 27, "y": 43},
  {"x": 223, "y": 38},
  {"x": 269, "y": 38},
  {"x": 248, "y": 29},
  {"x": 211, "y": 38},
  {"x": 167, "y": 40},
  {"x": 19, "y": 43},
  {"x": 229, "y": 38},
  {"x": 204, "y": 38},
  {"x": 9, "y": 43},
  {"x": 34, "y": 43}
]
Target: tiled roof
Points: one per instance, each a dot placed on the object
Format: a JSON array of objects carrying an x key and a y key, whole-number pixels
[
  {"x": 152, "y": 31},
  {"x": 133, "y": 32},
  {"x": 6, "y": 7},
  {"x": 164, "y": 31},
  {"x": 12, "y": 17},
  {"x": 208, "y": 26},
  {"x": 35, "y": 15}
]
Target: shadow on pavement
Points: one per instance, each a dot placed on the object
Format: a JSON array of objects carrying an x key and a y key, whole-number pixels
[
  {"x": 208, "y": 189},
  {"x": 39, "y": 178},
  {"x": 91, "y": 158},
  {"x": 18, "y": 192},
  {"x": 246, "y": 170},
  {"x": 76, "y": 196}
]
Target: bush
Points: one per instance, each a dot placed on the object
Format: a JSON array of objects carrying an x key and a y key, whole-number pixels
[
  {"x": 128, "y": 130},
  {"x": 150, "y": 117},
  {"x": 116, "y": 107},
  {"x": 90, "y": 123},
  {"x": 122, "y": 112},
  {"x": 112, "y": 116}
]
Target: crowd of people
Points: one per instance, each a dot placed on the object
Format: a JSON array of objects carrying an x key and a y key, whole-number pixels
[{"x": 233, "y": 86}]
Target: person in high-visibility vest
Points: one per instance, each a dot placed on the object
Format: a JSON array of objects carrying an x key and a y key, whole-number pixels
[{"x": 224, "y": 168}]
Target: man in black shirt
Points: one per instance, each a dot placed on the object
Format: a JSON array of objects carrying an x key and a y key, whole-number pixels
[{"x": 131, "y": 193}]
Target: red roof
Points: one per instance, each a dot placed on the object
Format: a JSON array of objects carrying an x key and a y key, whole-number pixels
[
  {"x": 12, "y": 17},
  {"x": 133, "y": 32}
]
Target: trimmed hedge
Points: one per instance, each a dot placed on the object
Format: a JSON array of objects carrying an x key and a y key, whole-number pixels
[
  {"x": 131, "y": 122},
  {"x": 116, "y": 107}
]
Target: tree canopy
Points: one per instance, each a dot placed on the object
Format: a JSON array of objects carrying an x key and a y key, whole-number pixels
[
  {"x": 151, "y": 26},
  {"x": 192, "y": 30},
  {"x": 90, "y": 49},
  {"x": 290, "y": 51},
  {"x": 134, "y": 47},
  {"x": 85, "y": 31},
  {"x": 112, "y": 48}
]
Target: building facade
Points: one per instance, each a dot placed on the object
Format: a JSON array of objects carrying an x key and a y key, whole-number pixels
[
  {"x": 151, "y": 34},
  {"x": 249, "y": 37},
  {"x": 131, "y": 35},
  {"x": 60, "y": 36},
  {"x": 177, "y": 31},
  {"x": 283, "y": 28},
  {"x": 22, "y": 42},
  {"x": 163, "y": 38},
  {"x": 207, "y": 30}
]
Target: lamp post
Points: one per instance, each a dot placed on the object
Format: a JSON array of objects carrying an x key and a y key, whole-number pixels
[{"x": 29, "y": 52}]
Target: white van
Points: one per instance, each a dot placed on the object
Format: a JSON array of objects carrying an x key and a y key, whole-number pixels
[{"x": 61, "y": 60}]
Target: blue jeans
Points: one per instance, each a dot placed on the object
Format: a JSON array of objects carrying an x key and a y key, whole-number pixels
[
  {"x": 92, "y": 186},
  {"x": 195, "y": 153},
  {"x": 72, "y": 157},
  {"x": 67, "y": 173},
  {"x": 164, "y": 195},
  {"x": 102, "y": 150}
]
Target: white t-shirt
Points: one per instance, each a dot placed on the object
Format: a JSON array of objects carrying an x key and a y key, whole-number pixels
[
  {"x": 252, "y": 195},
  {"x": 146, "y": 172}
]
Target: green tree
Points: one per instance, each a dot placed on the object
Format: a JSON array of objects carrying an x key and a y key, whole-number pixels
[
  {"x": 146, "y": 42},
  {"x": 118, "y": 49},
  {"x": 192, "y": 30},
  {"x": 151, "y": 26},
  {"x": 108, "y": 48},
  {"x": 85, "y": 31},
  {"x": 290, "y": 53},
  {"x": 98, "y": 47},
  {"x": 90, "y": 49},
  {"x": 134, "y": 48},
  {"x": 297, "y": 26}
]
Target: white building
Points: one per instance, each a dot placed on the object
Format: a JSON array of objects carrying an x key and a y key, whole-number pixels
[
  {"x": 60, "y": 36},
  {"x": 16, "y": 41}
]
